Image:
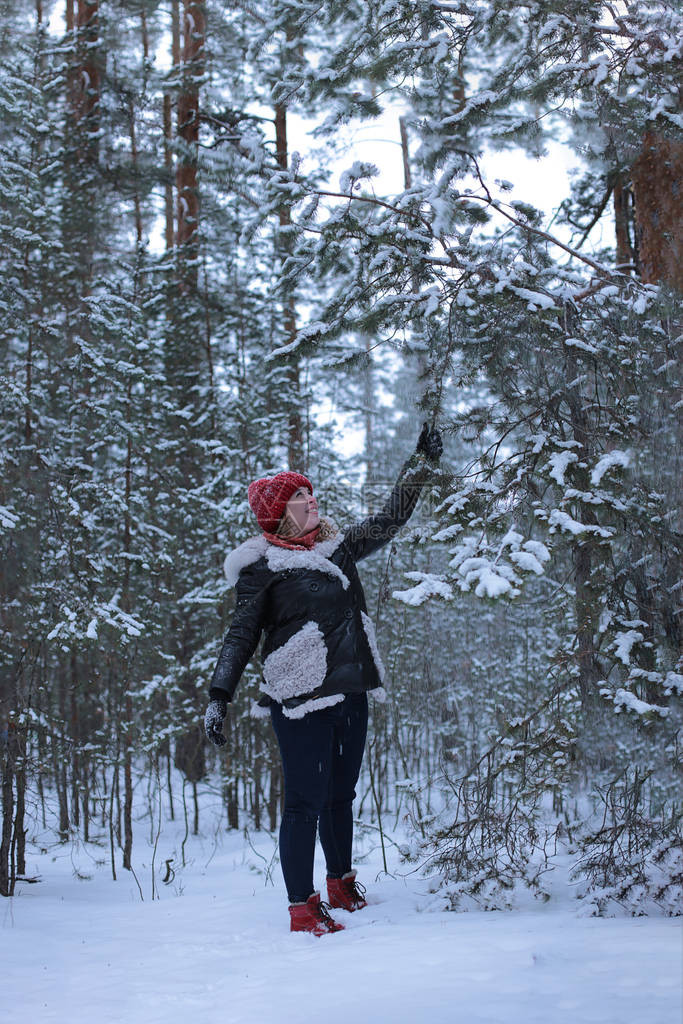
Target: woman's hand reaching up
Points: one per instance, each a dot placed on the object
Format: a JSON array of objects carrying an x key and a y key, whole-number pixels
[{"x": 429, "y": 443}]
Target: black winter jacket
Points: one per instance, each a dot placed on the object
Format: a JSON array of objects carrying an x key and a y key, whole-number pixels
[{"x": 319, "y": 639}]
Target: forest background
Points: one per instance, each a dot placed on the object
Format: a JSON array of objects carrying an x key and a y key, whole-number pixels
[{"x": 187, "y": 304}]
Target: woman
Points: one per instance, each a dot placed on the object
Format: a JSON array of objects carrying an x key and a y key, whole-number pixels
[{"x": 298, "y": 582}]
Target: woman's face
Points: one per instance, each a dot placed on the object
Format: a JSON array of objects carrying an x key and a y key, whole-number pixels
[{"x": 302, "y": 509}]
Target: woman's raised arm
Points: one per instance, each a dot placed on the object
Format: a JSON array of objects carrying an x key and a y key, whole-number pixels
[{"x": 372, "y": 533}]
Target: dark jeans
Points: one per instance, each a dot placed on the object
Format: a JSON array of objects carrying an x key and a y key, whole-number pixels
[{"x": 321, "y": 758}]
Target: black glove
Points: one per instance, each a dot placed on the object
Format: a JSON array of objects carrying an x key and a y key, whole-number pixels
[
  {"x": 429, "y": 443},
  {"x": 213, "y": 720}
]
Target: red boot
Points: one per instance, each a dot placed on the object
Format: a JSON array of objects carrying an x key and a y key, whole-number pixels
[
  {"x": 312, "y": 916},
  {"x": 346, "y": 893}
]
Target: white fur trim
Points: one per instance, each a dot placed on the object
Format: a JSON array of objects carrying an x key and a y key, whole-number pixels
[
  {"x": 278, "y": 558},
  {"x": 369, "y": 628},
  {"x": 314, "y": 704},
  {"x": 302, "y": 903},
  {"x": 258, "y": 711},
  {"x": 246, "y": 553},
  {"x": 298, "y": 667},
  {"x": 379, "y": 694},
  {"x": 317, "y": 558}
]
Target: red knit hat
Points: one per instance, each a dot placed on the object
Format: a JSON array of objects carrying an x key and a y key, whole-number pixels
[{"x": 268, "y": 497}]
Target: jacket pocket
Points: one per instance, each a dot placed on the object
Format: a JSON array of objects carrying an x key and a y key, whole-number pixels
[{"x": 298, "y": 667}]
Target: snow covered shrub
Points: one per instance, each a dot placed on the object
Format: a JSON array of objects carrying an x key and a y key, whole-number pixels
[
  {"x": 488, "y": 850},
  {"x": 631, "y": 859},
  {"x": 500, "y": 826}
]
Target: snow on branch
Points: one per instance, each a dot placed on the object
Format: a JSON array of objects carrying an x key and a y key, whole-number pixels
[
  {"x": 626, "y": 699},
  {"x": 428, "y": 585},
  {"x": 615, "y": 458},
  {"x": 8, "y": 518}
]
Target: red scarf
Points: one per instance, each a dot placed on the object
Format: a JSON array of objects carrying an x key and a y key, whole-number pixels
[{"x": 303, "y": 543}]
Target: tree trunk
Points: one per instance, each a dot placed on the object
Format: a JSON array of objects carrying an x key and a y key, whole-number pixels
[
  {"x": 19, "y": 814},
  {"x": 168, "y": 132},
  {"x": 82, "y": 183},
  {"x": 134, "y": 161},
  {"x": 184, "y": 369},
  {"x": 296, "y": 459},
  {"x": 274, "y": 789},
  {"x": 169, "y": 778},
  {"x": 85, "y": 798},
  {"x": 233, "y": 806},
  {"x": 657, "y": 177},
  {"x": 6, "y": 868},
  {"x": 85, "y": 81},
  {"x": 59, "y": 762},
  {"x": 75, "y": 731},
  {"x": 128, "y": 784},
  {"x": 584, "y": 554},
  {"x": 194, "y": 27},
  {"x": 407, "y": 177},
  {"x": 168, "y": 166},
  {"x": 623, "y": 219}
]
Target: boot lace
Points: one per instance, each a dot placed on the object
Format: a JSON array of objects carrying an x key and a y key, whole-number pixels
[
  {"x": 356, "y": 891},
  {"x": 324, "y": 913}
]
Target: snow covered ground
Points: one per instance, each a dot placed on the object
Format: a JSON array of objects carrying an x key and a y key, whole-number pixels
[{"x": 215, "y": 949}]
